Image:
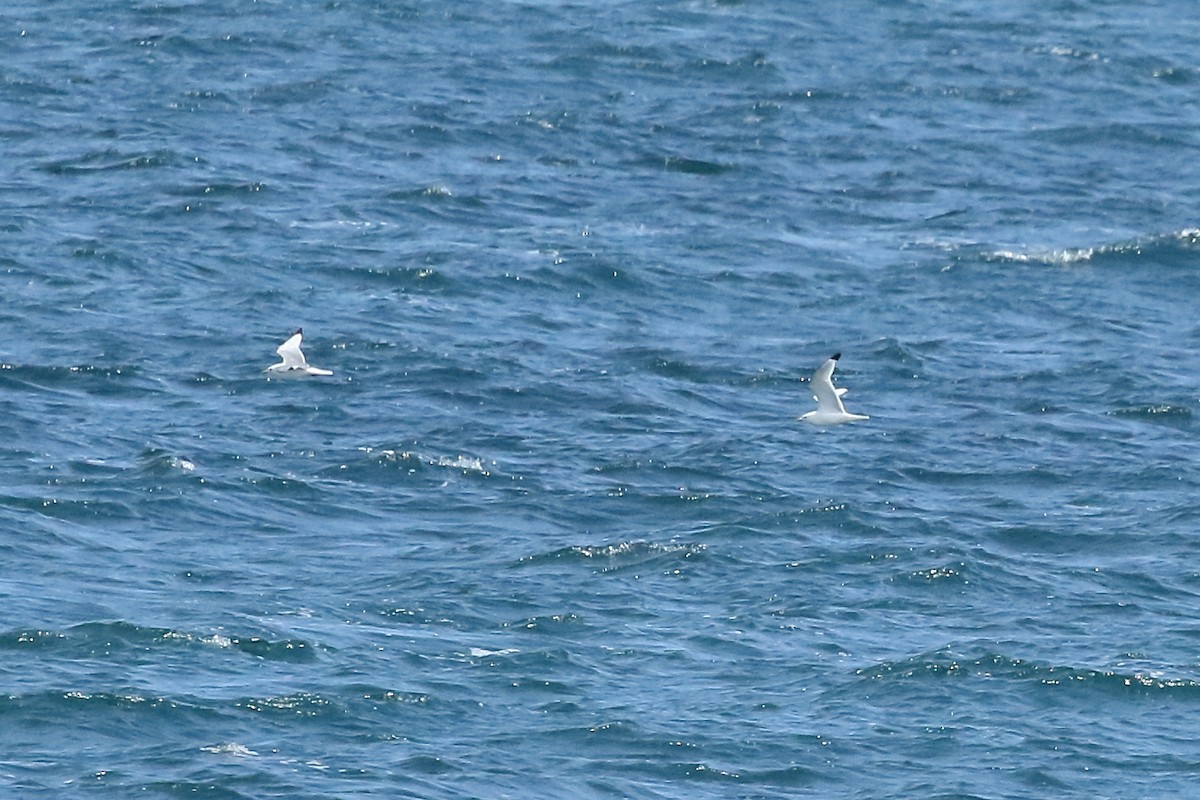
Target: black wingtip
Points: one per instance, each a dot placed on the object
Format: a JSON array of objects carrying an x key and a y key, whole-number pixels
[
  {"x": 835, "y": 356},
  {"x": 299, "y": 331}
]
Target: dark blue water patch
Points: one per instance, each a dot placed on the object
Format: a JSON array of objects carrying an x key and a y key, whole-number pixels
[
  {"x": 665, "y": 364},
  {"x": 1118, "y": 135},
  {"x": 107, "y": 160},
  {"x": 215, "y": 191},
  {"x": 214, "y": 788},
  {"x": 102, "y": 381},
  {"x": 424, "y": 278},
  {"x": 205, "y": 101},
  {"x": 439, "y": 203},
  {"x": 682, "y": 164},
  {"x": 287, "y": 650},
  {"x": 76, "y": 510}
]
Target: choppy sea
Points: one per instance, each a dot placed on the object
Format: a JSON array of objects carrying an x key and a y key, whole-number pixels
[{"x": 552, "y": 529}]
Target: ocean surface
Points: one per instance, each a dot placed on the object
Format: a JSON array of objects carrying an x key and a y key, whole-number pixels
[{"x": 552, "y": 529}]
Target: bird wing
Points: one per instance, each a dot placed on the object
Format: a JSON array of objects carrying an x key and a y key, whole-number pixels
[
  {"x": 289, "y": 351},
  {"x": 829, "y": 399}
]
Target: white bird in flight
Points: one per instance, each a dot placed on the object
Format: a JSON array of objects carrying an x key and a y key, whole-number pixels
[
  {"x": 293, "y": 360},
  {"x": 830, "y": 410}
]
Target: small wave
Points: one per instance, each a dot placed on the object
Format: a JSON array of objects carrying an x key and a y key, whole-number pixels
[
  {"x": 86, "y": 248},
  {"x": 301, "y": 704},
  {"x": 480, "y": 652},
  {"x": 71, "y": 510},
  {"x": 1149, "y": 246},
  {"x": 945, "y": 664},
  {"x": 219, "y": 189},
  {"x": 437, "y": 190},
  {"x": 288, "y": 93},
  {"x": 109, "y": 638},
  {"x": 376, "y": 694},
  {"x": 289, "y": 650},
  {"x": 429, "y": 765},
  {"x": 1174, "y": 75},
  {"x": 340, "y": 224},
  {"x": 1156, "y": 413},
  {"x": 464, "y": 463},
  {"x": 217, "y": 640},
  {"x": 547, "y": 623},
  {"x": 939, "y": 575},
  {"x": 411, "y": 615},
  {"x": 425, "y": 278},
  {"x": 622, "y": 555},
  {"x": 289, "y": 486},
  {"x": 1048, "y": 257},
  {"x": 1063, "y": 51},
  {"x": 634, "y": 549},
  {"x": 1112, "y": 679},
  {"x": 439, "y": 202},
  {"x": 229, "y": 749},
  {"x": 160, "y": 463},
  {"x": 119, "y": 700},
  {"x": 21, "y": 639},
  {"x": 108, "y": 160},
  {"x": 87, "y": 378},
  {"x": 687, "y": 166},
  {"x": 467, "y": 465},
  {"x": 196, "y": 99}
]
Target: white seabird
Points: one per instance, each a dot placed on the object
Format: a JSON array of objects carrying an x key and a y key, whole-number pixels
[
  {"x": 293, "y": 360},
  {"x": 830, "y": 410}
]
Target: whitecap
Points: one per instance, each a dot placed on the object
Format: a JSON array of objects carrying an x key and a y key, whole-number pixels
[
  {"x": 229, "y": 749},
  {"x": 479, "y": 652}
]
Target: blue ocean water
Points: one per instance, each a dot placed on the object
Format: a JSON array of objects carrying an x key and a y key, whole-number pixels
[{"x": 552, "y": 529}]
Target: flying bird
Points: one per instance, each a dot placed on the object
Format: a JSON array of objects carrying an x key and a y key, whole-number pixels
[
  {"x": 294, "y": 362},
  {"x": 830, "y": 410}
]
